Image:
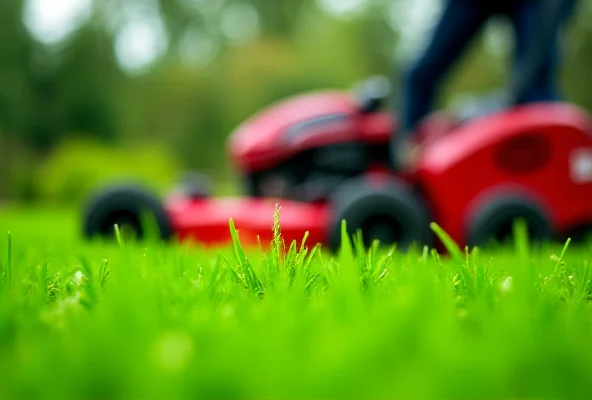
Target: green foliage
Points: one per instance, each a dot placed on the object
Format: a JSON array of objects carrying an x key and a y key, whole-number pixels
[
  {"x": 78, "y": 167},
  {"x": 19, "y": 175},
  {"x": 145, "y": 320}
]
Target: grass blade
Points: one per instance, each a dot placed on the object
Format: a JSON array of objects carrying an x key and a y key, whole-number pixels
[
  {"x": 521, "y": 239},
  {"x": 450, "y": 245},
  {"x": 9, "y": 260},
  {"x": 561, "y": 256},
  {"x": 118, "y": 236}
]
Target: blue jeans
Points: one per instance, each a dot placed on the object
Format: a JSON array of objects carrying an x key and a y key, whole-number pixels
[{"x": 460, "y": 22}]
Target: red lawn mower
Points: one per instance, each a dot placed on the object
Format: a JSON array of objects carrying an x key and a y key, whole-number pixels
[{"x": 324, "y": 157}]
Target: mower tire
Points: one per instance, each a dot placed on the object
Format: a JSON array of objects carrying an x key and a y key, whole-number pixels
[
  {"x": 494, "y": 218},
  {"x": 124, "y": 205},
  {"x": 386, "y": 210}
]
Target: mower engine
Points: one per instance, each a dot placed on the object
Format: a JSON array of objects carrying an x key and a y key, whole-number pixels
[{"x": 304, "y": 147}]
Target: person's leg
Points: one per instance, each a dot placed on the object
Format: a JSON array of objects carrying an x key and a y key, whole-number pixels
[
  {"x": 526, "y": 20},
  {"x": 457, "y": 26}
]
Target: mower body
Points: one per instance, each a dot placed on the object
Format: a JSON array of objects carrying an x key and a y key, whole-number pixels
[
  {"x": 304, "y": 147},
  {"x": 535, "y": 158},
  {"x": 207, "y": 221},
  {"x": 323, "y": 158}
]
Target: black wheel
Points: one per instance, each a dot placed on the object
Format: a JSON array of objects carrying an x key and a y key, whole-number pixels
[
  {"x": 123, "y": 205},
  {"x": 387, "y": 211},
  {"x": 493, "y": 220}
]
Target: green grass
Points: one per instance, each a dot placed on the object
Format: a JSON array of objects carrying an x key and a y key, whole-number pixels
[{"x": 125, "y": 320}]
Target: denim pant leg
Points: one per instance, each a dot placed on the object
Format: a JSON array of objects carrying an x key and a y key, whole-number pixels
[
  {"x": 458, "y": 24},
  {"x": 525, "y": 21}
]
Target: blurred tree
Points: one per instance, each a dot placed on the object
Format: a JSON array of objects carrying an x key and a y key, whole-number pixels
[
  {"x": 16, "y": 94},
  {"x": 16, "y": 49},
  {"x": 88, "y": 79},
  {"x": 282, "y": 18}
]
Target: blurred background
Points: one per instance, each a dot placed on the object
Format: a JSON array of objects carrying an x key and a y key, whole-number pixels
[{"x": 91, "y": 90}]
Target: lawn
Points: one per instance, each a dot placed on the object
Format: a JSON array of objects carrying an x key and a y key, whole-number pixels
[{"x": 146, "y": 320}]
